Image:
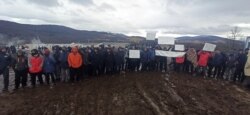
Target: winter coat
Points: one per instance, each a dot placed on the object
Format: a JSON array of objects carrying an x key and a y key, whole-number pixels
[
  {"x": 217, "y": 59},
  {"x": 109, "y": 59},
  {"x": 49, "y": 64},
  {"x": 35, "y": 64},
  {"x": 5, "y": 61},
  {"x": 95, "y": 59},
  {"x": 145, "y": 56},
  {"x": 20, "y": 63},
  {"x": 152, "y": 54},
  {"x": 179, "y": 60},
  {"x": 192, "y": 56},
  {"x": 241, "y": 61},
  {"x": 203, "y": 58},
  {"x": 247, "y": 65},
  {"x": 64, "y": 59},
  {"x": 75, "y": 60},
  {"x": 119, "y": 57},
  {"x": 231, "y": 61}
]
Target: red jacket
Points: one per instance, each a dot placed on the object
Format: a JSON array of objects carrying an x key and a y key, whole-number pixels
[
  {"x": 179, "y": 60},
  {"x": 35, "y": 64},
  {"x": 203, "y": 58}
]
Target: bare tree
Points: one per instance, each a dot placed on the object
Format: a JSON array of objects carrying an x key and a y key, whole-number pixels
[{"x": 235, "y": 34}]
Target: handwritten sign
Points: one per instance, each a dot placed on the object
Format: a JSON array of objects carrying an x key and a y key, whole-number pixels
[
  {"x": 209, "y": 47},
  {"x": 151, "y": 35},
  {"x": 179, "y": 47},
  {"x": 134, "y": 54},
  {"x": 166, "y": 40}
]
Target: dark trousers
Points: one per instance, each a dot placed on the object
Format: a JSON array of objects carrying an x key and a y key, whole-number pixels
[
  {"x": 48, "y": 76},
  {"x": 34, "y": 76},
  {"x": 217, "y": 71},
  {"x": 239, "y": 72},
  {"x": 178, "y": 67},
  {"x": 21, "y": 78},
  {"x": 210, "y": 69},
  {"x": 223, "y": 69},
  {"x": 5, "y": 73},
  {"x": 96, "y": 70},
  {"x": 58, "y": 72},
  {"x": 109, "y": 69},
  {"x": 145, "y": 66},
  {"x": 75, "y": 74}
]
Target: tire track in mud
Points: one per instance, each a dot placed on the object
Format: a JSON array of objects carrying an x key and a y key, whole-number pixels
[{"x": 153, "y": 105}]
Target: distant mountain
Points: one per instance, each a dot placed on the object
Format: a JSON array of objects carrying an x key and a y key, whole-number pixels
[
  {"x": 199, "y": 41},
  {"x": 54, "y": 33}
]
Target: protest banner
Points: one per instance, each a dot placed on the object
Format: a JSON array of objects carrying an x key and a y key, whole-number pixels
[
  {"x": 209, "y": 47},
  {"x": 179, "y": 47},
  {"x": 169, "y": 53},
  {"x": 151, "y": 35},
  {"x": 166, "y": 40},
  {"x": 134, "y": 54}
]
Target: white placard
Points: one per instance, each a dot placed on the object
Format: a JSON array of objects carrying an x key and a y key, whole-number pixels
[
  {"x": 166, "y": 40},
  {"x": 209, "y": 47},
  {"x": 169, "y": 53},
  {"x": 151, "y": 35},
  {"x": 179, "y": 47},
  {"x": 134, "y": 54}
]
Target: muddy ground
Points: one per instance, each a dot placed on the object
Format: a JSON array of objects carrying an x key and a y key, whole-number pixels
[{"x": 147, "y": 93}]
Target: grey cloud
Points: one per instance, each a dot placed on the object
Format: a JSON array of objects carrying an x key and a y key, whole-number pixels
[
  {"x": 210, "y": 30},
  {"x": 106, "y": 6},
  {"x": 49, "y": 3},
  {"x": 83, "y": 2}
]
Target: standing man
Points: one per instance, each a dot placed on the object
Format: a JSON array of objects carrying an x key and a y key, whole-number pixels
[
  {"x": 5, "y": 61},
  {"x": 75, "y": 63},
  {"x": 240, "y": 64},
  {"x": 20, "y": 67}
]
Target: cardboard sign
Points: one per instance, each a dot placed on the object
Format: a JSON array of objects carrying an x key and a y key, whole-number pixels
[
  {"x": 209, "y": 47},
  {"x": 179, "y": 47},
  {"x": 169, "y": 53},
  {"x": 151, "y": 35},
  {"x": 134, "y": 54},
  {"x": 166, "y": 40}
]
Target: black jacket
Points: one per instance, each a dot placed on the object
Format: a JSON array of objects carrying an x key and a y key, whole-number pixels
[{"x": 5, "y": 60}]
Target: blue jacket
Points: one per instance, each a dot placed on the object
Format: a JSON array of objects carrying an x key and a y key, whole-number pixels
[
  {"x": 63, "y": 59},
  {"x": 49, "y": 64}
]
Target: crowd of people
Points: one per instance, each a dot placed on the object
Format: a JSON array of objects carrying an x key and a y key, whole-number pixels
[{"x": 72, "y": 64}]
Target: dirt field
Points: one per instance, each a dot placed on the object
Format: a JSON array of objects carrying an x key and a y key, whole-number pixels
[{"x": 134, "y": 93}]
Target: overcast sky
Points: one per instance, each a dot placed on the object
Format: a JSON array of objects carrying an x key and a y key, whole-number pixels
[{"x": 134, "y": 17}]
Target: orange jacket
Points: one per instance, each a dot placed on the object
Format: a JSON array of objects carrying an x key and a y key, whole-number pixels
[{"x": 75, "y": 59}]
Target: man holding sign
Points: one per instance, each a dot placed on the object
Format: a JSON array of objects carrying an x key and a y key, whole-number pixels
[
  {"x": 134, "y": 60},
  {"x": 151, "y": 35}
]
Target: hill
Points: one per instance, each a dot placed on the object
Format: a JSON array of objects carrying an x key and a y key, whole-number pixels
[
  {"x": 53, "y": 33},
  {"x": 199, "y": 41}
]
